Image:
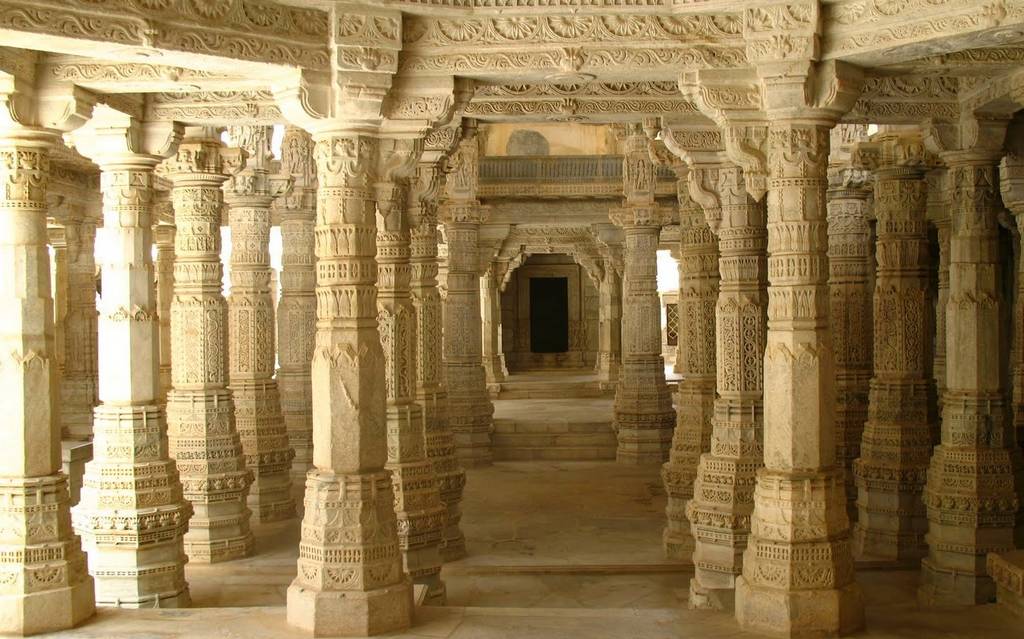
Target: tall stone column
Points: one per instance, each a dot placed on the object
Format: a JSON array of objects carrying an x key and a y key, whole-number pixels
[
  {"x": 56, "y": 238},
  {"x": 200, "y": 413},
  {"x": 609, "y": 329},
  {"x": 798, "y": 575},
  {"x": 44, "y": 585},
  {"x": 163, "y": 234},
  {"x": 723, "y": 495},
  {"x": 469, "y": 407},
  {"x": 938, "y": 213},
  {"x": 850, "y": 299},
  {"x": 251, "y": 353},
  {"x": 644, "y": 417},
  {"x": 698, "y": 291},
  {"x": 896, "y": 442},
  {"x": 431, "y": 393},
  {"x": 350, "y": 579},
  {"x": 78, "y": 389},
  {"x": 970, "y": 495},
  {"x": 132, "y": 516},
  {"x": 296, "y": 312},
  {"x": 493, "y": 357},
  {"x": 418, "y": 506}
]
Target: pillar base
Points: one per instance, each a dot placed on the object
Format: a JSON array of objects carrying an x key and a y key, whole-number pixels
[
  {"x": 454, "y": 546},
  {"x": 214, "y": 551},
  {"x": 47, "y": 611},
  {"x": 942, "y": 587},
  {"x": 350, "y": 613},
  {"x": 678, "y": 545},
  {"x": 799, "y": 613},
  {"x": 180, "y": 599},
  {"x": 701, "y": 598}
]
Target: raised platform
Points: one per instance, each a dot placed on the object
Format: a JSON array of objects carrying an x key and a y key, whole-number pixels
[
  {"x": 553, "y": 430},
  {"x": 551, "y": 385},
  {"x": 1007, "y": 570}
]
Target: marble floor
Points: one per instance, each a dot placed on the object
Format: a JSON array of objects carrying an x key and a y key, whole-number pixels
[{"x": 557, "y": 550}]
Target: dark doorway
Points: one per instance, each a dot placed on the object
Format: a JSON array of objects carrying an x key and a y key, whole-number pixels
[{"x": 549, "y": 314}]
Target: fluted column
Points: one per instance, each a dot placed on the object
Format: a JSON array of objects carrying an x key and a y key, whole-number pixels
[
  {"x": 469, "y": 407},
  {"x": 970, "y": 496},
  {"x": 163, "y": 235},
  {"x": 350, "y": 579},
  {"x": 723, "y": 495},
  {"x": 644, "y": 417},
  {"x": 896, "y": 443},
  {"x": 132, "y": 516},
  {"x": 78, "y": 388},
  {"x": 850, "y": 299},
  {"x": 418, "y": 506},
  {"x": 798, "y": 575},
  {"x": 44, "y": 585},
  {"x": 698, "y": 291},
  {"x": 296, "y": 312},
  {"x": 251, "y": 353},
  {"x": 493, "y": 357},
  {"x": 431, "y": 392},
  {"x": 200, "y": 413}
]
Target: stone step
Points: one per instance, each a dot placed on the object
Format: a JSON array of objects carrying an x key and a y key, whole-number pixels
[
  {"x": 561, "y": 453},
  {"x": 553, "y": 440},
  {"x": 502, "y": 425},
  {"x": 527, "y": 390}
]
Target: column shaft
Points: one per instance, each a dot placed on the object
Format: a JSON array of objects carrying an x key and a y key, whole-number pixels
[
  {"x": 164, "y": 232},
  {"x": 698, "y": 291},
  {"x": 44, "y": 585},
  {"x": 78, "y": 390},
  {"x": 200, "y": 413},
  {"x": 798, "y": 573},
  {"x": 609, "y": 335},
  {"x": 493, "y": 357},
  {"x": 251, "y": 342},
  {"x": 132, "y": 516},
  {"x": 723, "y": 495},
  {"x": 350, "y": 579},
  {"x": 850, "y": 299}
]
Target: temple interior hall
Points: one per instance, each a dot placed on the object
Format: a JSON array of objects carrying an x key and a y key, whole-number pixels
[{"x": 512, "y": 319}]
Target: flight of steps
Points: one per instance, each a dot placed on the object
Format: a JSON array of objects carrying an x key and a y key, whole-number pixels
[
  {"x": 548, "y": 390},
  {"x": 553, "y": 440}
]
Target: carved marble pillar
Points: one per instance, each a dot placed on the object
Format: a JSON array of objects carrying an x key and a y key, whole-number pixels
[
  {"x": 257, "y": 403},
  {"x": 132, "y": 516},
  {"x": 57, "y": 239},
  {"x": 493, "y": 357},
  {"x": 431, "y": 393},
  {"x": 938, "y": 213},
  {"x": 644, "y": 417},
  {"x": 609, "y": 330},
  {"x": 163, "y": 235},
  {"x": 850, "y": 300},
  {"x": 200, "y": 413},
  {"x": 296, "y": 312},
  {"x": 698, "y": 291},
  {"x": 896, "y": 443},
  {"x": 680, "y": 277},
  {"x": 418, "y": 504},
  {"x": 723, "y": 495},
  {"x": 798, "y": 575},
  {"x": 469, "y": 406},
  {"x": 970, "y": 495},
  {"x": 44, "y": 585},
  {"x": 350, "y": 579},
  {"x": 78, "y": 389}
]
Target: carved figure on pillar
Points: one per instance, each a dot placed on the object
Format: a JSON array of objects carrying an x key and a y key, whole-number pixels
[
  {"x": 296, "y": 312},
  {"x": 469, "y": 406},
  {"x": 132, "y": 515},
  {"x": 200, "y": 413},
  {"x": 896, "y": 444},
  {"x": 644, "y": 418},
  {"x": 248, "y": 195}
]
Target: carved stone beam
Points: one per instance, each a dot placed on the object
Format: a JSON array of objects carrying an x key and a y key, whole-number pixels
[
  {"x": 873, "y": 33},
  {"x": 1002, "y": 94},
  {"x": 104, "y": 76},
  {"x": 905, "y": 99},
  {"x": 26, "y": 99},
  {"x": 224, "y": 37},
  {"x": 215, "y": 108}
]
